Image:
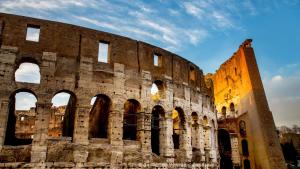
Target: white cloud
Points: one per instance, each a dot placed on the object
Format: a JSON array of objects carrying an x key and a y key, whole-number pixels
[
  {"x": 283, "y": 93},
  {"x": 276, "y": 79},
  {"x": 28, "y": 72}
]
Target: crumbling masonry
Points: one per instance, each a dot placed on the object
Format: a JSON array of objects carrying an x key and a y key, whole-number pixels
[{"x": 128, "y": 126}]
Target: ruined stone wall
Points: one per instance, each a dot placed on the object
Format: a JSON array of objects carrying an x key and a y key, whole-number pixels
[
  {"x": 238, "y": 85},
  {"x": 67, "y": 58}
]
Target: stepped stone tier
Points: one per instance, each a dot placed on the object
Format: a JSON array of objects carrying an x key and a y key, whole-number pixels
[{"x": 151, "y": 108}]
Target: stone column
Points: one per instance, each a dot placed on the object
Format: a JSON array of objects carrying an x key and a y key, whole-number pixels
[
  {"x": 81, "y": 132},
  {"x": 116, "y": 117},
  {"x": 185, "y": 142},
  {"x": 196, "y": 143},
  {"x": 166, "y": 140},
  {"x": 39, "y": 144},
  {"x": 144, "y": 129},
  {"x": 202, "y": 142},
  {"x": 3, "y": 120},
  {"x": 235, "y": 149}
]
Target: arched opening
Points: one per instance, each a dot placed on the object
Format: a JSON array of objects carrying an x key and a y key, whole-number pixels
[
  {"x": 157, "y": 112},
  {"x": 98, "y": 120},
  {"x": 131, "y": 110},
  {"x": 245, "y": 148},
  {"x": 232, "y": 109},
  {"x": 178, "y": 125},
  {"x": 62, "y": 117},
  {"x": 224, "y": 111},
  {"x": 157, "y": 90},
  {"x": 195, "y": 138},
  {"x": 28, "y": 72},
  {"x": 247, "y": 164},
  {"x": 242, "y": 126},
  {"x": 224, "y": 149},
  {"x": 21, "y": 118}
]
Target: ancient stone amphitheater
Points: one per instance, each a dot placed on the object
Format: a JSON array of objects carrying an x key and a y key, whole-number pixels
[{"x": 151, "y": 109}]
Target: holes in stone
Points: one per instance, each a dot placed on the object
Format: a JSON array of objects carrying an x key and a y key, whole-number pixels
[
  {"x": 33, "y": 33},
  {"x": 132, "y": 109},
  {"x": 21, "y": 118},
  {"x": 99, "y": 113},
  {"x": 62, "y": 117},
  {"x": 28, "y": 72}
]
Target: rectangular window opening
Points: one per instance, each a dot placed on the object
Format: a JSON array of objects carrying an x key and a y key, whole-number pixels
[
  {"x": 33, "y": 33},
  {"x": 157, "y": 60},
  {"x": 103, "y": 53}
]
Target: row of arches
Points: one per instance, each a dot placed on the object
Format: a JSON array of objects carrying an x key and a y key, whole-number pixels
[{"x": 62, "y": 117}]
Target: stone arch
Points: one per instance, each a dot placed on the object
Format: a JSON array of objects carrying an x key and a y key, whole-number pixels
[
  {"x": 98, "y": 118},
  {"x": 158, "y": 90},
  {"x": 28, "y": 71},
  {"x": 62, "y": 117},
  {"x": 225, "y": 150},
  {"x": 132, "y": 109},
  {"x": 245, "y": 148},
  {"x": 242, "y": 126},
  {"x": 223, "y": 111},
  {"x": 158, "y": 113},
  {"x": 179, "y": 122},
  {"x": 232, "y": 107},
  {"x": 21, "y": 123}
]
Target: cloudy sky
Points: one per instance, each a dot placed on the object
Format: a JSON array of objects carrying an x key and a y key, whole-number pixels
[{"x": 206, "y": 32}]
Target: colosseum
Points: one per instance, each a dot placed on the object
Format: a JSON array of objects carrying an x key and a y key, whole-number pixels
[{"x": 150, "y": 108}]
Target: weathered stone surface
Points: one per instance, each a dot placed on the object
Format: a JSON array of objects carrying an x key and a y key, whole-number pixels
[{"x": 68, "y": 61}]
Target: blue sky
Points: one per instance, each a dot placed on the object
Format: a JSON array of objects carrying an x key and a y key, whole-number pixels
[{"x": 206, "y": 32}]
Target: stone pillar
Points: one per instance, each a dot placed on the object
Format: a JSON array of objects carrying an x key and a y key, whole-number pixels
[
  {"x": 166, "y": 140},
  {"x": 116, "y": 117},
  {"x": 202, "y": 142},
  {"x": 144, "y": 129},
  {"x": 39, "y": 144},
  {"x": 196, "y": 143},
  {"x": 207, "y": 142},
  {"x": 187, "y": 146},
  {"x": 235, "y": 149},
  {"x": 3, "y": 120},
  {"x": 7, "y": 66},
  {"x": 81, "y": 132}
]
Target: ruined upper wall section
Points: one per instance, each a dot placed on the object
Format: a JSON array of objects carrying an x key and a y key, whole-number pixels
[
  {"x": 238, "y": 91},
  {"x": 232, "y": 81},
  {"x": 73, "y": 43}
]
